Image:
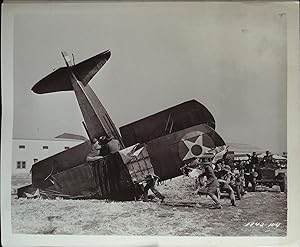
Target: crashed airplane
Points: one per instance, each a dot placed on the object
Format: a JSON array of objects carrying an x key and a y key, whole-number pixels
[{"x": 161, "y": 143}]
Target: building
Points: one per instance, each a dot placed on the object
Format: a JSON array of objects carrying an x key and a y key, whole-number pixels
[{"x": 26, "y": 152}]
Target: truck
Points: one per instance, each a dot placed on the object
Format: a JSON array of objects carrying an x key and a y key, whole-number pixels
[{"x": 270, "y": 176}]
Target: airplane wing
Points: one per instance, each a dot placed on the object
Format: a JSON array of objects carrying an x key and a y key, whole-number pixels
[
  {"x": 59, "y": 80},
  {"x": 173, "y": 119},
  {"x": 170, "y": 152},
  {"x": 62, "y": 161}
]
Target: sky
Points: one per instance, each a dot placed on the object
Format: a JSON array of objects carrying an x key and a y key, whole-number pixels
[{"x": 231, "y": 57}]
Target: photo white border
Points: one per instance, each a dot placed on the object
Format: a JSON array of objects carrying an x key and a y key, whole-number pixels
[{"x": 9, "y": 10}]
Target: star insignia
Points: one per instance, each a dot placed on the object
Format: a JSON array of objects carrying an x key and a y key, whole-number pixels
[{"x": 195, "y": 149}]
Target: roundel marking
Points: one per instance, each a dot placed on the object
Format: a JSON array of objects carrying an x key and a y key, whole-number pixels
[
  {"x": 196, "y": 149},
  {"x": 192, "y": 146}
]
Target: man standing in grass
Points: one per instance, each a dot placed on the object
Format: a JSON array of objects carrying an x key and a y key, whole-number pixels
[
  {"x": 150, "y": 184},
  {"x": 211, "y": 186}
]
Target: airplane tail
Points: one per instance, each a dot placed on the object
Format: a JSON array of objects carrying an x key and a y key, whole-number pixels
[
  {"x": 67, "y": 59},
  {"x": 59, "y": 80}
]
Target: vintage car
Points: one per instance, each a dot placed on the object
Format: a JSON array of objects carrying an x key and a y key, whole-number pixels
[{"x": 270, "y": 176}]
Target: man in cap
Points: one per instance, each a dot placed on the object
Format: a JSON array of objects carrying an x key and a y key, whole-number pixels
[
  {"x": 104, "y": 148},
  {"x": 211, "y": 186},
  {"x": 226, "y": 179},
  {"x": 94, "y": 154},
  {"x": 150, "y": 180},
  {"x": 250, "y": 174},
  {"x": 109, "y": 144},
  {"x": 254, "y": 159},
  {"x": 267, "y": 160},
  {"x": 113, "y": 144},
  {"x": 138, "y": 190}
]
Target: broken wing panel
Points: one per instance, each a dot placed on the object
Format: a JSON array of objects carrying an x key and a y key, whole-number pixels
[
  {"x": 138, "y": 163},
  {"x": 62, "y": 161},
  {"x": 77, "y": 181}
]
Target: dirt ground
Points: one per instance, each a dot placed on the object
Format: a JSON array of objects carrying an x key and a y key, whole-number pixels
[{"x": 183, "y": 213}]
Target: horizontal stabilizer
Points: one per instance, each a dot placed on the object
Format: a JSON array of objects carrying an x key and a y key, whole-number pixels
[
  {"x": 59, "y": 80},
  {"x": 56, "y": 81},
  {"x": 86, "y": 70}
]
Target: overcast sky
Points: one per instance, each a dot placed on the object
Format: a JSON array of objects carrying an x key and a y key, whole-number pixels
[{"x": 231, "y": 57}]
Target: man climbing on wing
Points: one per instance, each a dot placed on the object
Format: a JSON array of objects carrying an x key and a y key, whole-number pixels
[
  {"x": 150, "y": 184},
  {"x": 94, "y": 154},
  {"x": 109, "y": 145}
]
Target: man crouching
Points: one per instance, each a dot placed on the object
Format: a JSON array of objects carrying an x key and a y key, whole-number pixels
[
  {"x": 224, "y": 181},
  {"x": 211, "y": 186},
  {"x": 150, "y": 184}
]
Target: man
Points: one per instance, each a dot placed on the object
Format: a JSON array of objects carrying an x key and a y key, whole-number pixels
[
  {"x": 228, "y": 158},
  {"x": 267, "y": 160},
  {"x": 250, "y": 173},
  {"x": 104, "y": 147},
  {"x": 138, "y": 190},
  {"x": 254, "y": 159},
  {"x": 109, "y": 144},
  {"x": 113, "y": 145},
  {"x": 150, "y": 184},
  {"x": 94, "y": 154},
  {"x": 185, "y": 170},
  {"x": 211, "y": 187},
  {"x": 226, "y": 180}
]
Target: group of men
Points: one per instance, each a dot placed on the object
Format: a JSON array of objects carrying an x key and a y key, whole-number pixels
[
  {"x": 101, "y": 147},
  {"x": 211, "y": 180},
  {"x": 252, "y": 168},
  {"x": 224, "y": 176}
]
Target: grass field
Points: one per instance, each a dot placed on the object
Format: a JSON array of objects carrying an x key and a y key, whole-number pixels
[{"x": 257, "y": 214}]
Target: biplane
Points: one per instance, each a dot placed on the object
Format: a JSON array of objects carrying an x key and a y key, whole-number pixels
[{"x": 161, "y": 143}]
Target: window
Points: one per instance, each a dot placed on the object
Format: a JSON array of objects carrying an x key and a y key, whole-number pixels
[
  {"x": 21, "y": 146},
  {"x": 67, "y": 147},
  {"x": 45, "y": 147},
  {"x": 21, "y": 164}
]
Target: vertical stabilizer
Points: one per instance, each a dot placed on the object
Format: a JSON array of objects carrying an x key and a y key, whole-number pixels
[
  {"x": 67, "y": 58},
  {"x": 76, "y": 78},
  {"x": 97, "y": 121}
]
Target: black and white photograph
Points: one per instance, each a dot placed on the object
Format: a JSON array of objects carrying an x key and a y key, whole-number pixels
[{"x": 149, "y": 119}]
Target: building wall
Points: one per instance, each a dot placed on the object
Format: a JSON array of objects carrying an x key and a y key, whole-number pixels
[{"x": 26, "y": 152}]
